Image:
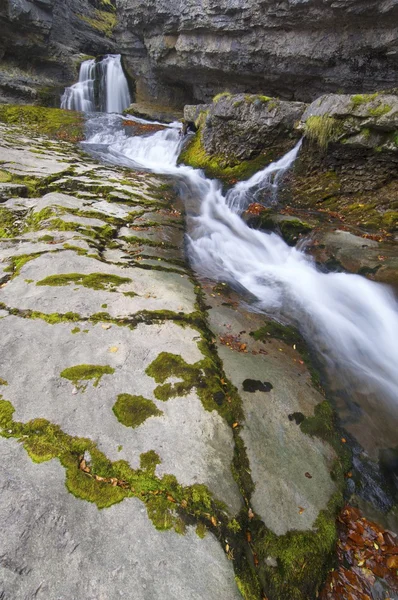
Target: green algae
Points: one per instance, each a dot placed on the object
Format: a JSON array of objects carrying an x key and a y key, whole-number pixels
[
  {"x": 3, "y": 381},
  {"x": 80, "y": 373},
  {"x": 54, "y": 122},
  {"x": 95, "y": 281},
  {"x": 132, "y": 411}
]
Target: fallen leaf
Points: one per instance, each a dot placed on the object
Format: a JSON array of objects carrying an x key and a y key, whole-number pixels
[
  {"x": 250, "y": 514},
  {"x": 113, "y": 349},
  {"x": 235, "y": 425},
  {"x": 301, "y": 510},
  {"x": 308, "y": 475},
  {"x": 214, "y": 521}
]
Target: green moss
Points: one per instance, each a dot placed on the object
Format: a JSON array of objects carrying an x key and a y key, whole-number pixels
[
  {"x": 390, "y": 220},
  {"x": 75, "y": 330},
  {"x": 221, "y": 95},
  {"x": 203, "y": 376},
  {"x": 17, "y": 262},
  {"x": 8, "y": 227},
  {"x": 248, "y": 585},
  {"x": 149, "y": 461},
  {"x": 201, "y": 530},
  {"x": 132, "y": 411},
  {"x": 80, "y": 373},
  {"x": 292, "y": 229},
  {"x": 195, "y": 155},
  {"x": 360, "y": 99},
  {"x": 234, "y": 526},
  {"x": 5, "y": 177},
  {"x": 303, "y": 558},
  {"x": 366, "y": 133},
  {"x": 380, "y": 110},
  {"x": 95, "y": 281},
  {"x": 3, "y": 381},
  {"x": 323, "y": 129},
  {"x": 103, "y": 21},
  {"x": 6, "y": 413},
  {"x": 46, "y": 238},
  {"x": 54, "y": 318},
  {"x": 56, "y": 123}
]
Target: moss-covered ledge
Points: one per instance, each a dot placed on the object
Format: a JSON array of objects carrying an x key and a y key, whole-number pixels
[{"x": 65, "y": 125}]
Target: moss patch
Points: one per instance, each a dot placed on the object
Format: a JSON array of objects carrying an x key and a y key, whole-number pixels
[
  {"x": 323, "y": 130},
  {"x": 95, "y": 281},
  {"x": 102, "y": 21},
  {"x": 8, "y": 226},
  {"x": 81, "y": 373},
  {"x": 54, "y": 122},
  {"x": 132, "y": 411},
  {"x": 195, "y": 155}
]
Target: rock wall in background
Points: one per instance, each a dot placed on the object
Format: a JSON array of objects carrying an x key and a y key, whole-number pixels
[
  {"x": 42, "y": 43},
  {"x": 185, "y": 52}
]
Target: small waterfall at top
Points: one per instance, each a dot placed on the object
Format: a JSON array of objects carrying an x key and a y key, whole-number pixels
[
  {"x": 102, "y": 86},
  {"x": 81, "y": 95}
]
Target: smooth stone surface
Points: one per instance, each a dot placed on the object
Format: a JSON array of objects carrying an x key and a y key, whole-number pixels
[{"x": 56, "y": 546}]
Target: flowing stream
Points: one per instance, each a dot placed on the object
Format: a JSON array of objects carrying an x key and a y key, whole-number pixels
[{"x": 351, "y": 321}]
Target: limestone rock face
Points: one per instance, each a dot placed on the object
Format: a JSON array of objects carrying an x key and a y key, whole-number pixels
[
  {"x": 296, "y": 49},
  {"x": 240, "y": 127},
  {"x": 42, "y": 43}
]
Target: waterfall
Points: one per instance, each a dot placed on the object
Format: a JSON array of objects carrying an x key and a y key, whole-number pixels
[
  {"x": 351, "y": 321},
  {"x": 102, "y": 86},
  {"x": 81, "y": 96}
]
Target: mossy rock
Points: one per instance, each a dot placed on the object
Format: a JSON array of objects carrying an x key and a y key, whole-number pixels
[
  {"x": 53, "y": 122},
  {"x": 195, "y": 155}
]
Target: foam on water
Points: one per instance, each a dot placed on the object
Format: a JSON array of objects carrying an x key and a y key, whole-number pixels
[{"x": 352, "y": 321}]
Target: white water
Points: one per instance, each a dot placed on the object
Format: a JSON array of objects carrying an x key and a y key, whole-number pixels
[
  {"x": 114, "y": 95},
  {"x": 101, "y": 84},
  {"x": 352, "y": 321},
  {"x": 80, "y": 96}
]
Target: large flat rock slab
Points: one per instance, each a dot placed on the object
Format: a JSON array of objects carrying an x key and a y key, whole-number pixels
[
  {"x": 55, "y": 546},
  {"x": 151, "y": 290},
  {"x": 280, "y": 454}
]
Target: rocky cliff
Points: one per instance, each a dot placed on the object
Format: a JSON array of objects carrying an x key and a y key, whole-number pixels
[
  {"x": 294, "y": 49},
  {"x": 42, "y": 43}
]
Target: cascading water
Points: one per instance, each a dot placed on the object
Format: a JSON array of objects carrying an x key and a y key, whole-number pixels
[
  {"x": 114, "y": 94},
  {"x": 352, "y": 321},
  {"x": 81, "y": 96},
  {"x": 102, "y": 86}
]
